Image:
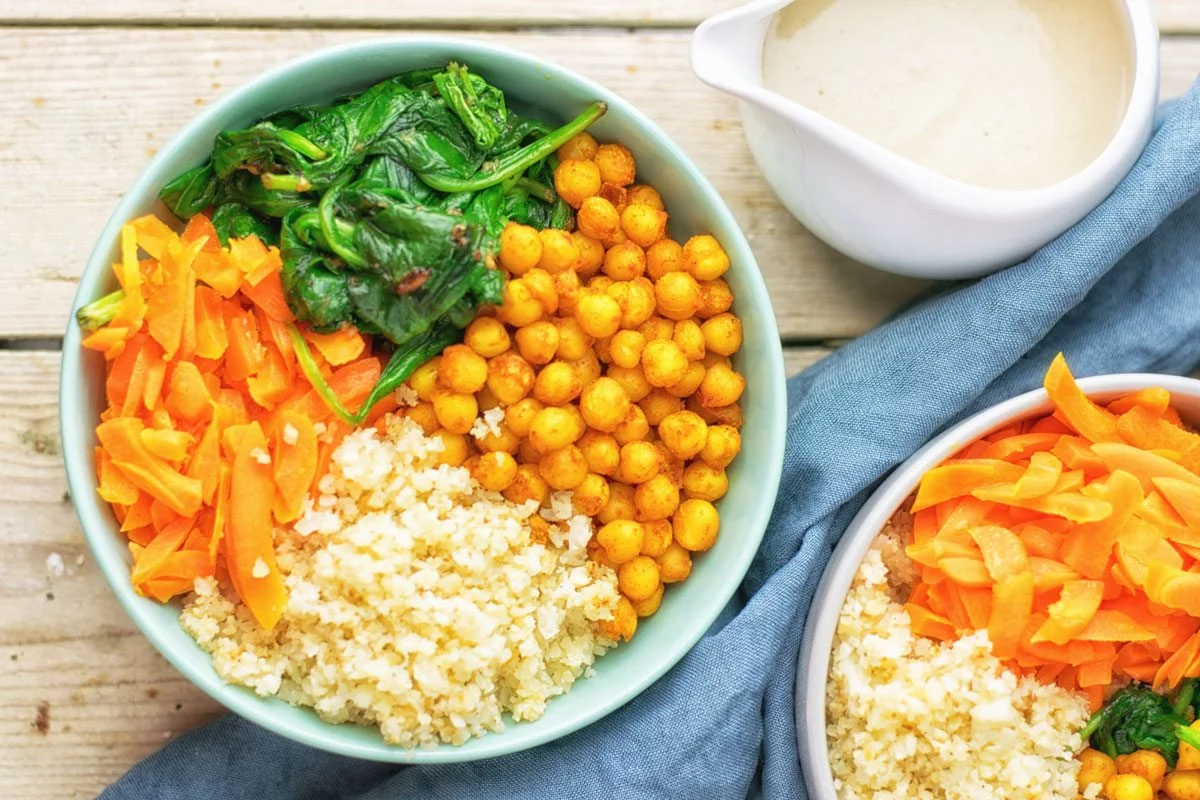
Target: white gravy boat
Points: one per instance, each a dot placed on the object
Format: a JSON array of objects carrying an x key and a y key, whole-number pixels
[{"x": 889, "y": 212}]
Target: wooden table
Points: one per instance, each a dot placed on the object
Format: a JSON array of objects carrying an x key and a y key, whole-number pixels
[{"x": 90, "y": 91}]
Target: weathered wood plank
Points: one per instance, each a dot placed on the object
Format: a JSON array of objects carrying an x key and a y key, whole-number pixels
[{"x": 1175, "y": 16}]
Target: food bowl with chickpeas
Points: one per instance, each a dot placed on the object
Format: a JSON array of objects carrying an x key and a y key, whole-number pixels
[{"x": 607, "y": 430}]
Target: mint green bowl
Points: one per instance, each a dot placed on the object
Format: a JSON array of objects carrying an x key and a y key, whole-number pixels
[{"x": 556, "y": 94}]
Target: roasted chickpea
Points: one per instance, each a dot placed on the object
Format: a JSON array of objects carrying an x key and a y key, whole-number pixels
[
  {"x": 675, "y": 563},
  {"x": 624, "y": 622},
  {"x": 677, "y": 295},
  {"x": 619, "y": 505},
  {"x": 672, "y": 466},
  {"x": 647, "y": 607},
  {"x": 642, "y": 224},
  {"x": 604, "y": 404},
  {"x": 715, "y": 298},
  {"x": 657, "y": 536},
  {"x": 424, "y": 380},
  {"x": 635, "y": 428},
  {"x": 721, "y": 445},
  {"x": 724, "y": 415},
  {"x": 664, "y": 363},
  {"x": 520, "y": 306},
  {"x": 621, "y": 539},
  {"x": 598, "y": 284},
  {"x": 695, "y": 524},
  {"x": 655, "y": 499},
  {"x": 598, "y": 218},
  {"x": 505, "y": 440},
  {"x": 598, "y": 315},
  {"x": 591, "y": 495},
  {"x": 602, "y": 452},
  {"x": 1094, "y": 767},
  {"x": 658, "y": 405},
  {"x": 563, "y": 469},
  {"x": 527, "y": 453},
  {"x": 455, "y": 448},
  {"x": 712, "y": 359},
  {"x": 576, "y": 180},
  {"x": 625, "y": 348},
  {"x": 636, "y": 300},
  {"x": 520, "y": 248},
  {"x": 1147, "y": 763},
  {"x": 617, "y": 195},
  {"x": 487, "y": 336},
  {"x": 581, "y": 147},
  {"x": 722, "y": 334},
  {"x": 538, "y": 343},
  {"x": 494, "y": 471},
  {"x": 721, "y": 386},
  {"x": 591, "y": 254},
  {"x": 569, "y": 289},
  {"x": 543, "y": 288},
  {"x": 616, "y": 164},
  {"x": 486, "y": 399},
  {"x": 1182, "y": 785},
  {"x": 624, "y": 262},
  {"x": 553, "y": 428},
  {"x": 656, "y": 327},
  {"x": 632, "y": 380},
  {"x": 586, "y": 369},
  {"x": 690, "y": 337},
  {"x": 456, "y": 412},
  {"x": 639, "y": 462},
  {"x": 424, "y": 415},
  {"x": 705, "y": 482},
  {"x": 573, "y": 343},
  {"x": 705, "y": 258},
  {"x": 618, "y": 236},
  {"x": 690, "y": 382},
  {"x": 684, "y": 434},
  {"x": 519, "y": 416},
  {"x": 527, "y": 485},
  {"x": 665, "y": 255},
  {"x": 637, "y": 578},
  {"x": 510, "y": 377},
  {"x": 1128, "y": 787},
  {"x": 647, "y": 196},
  {"x": 462, "y": 369}
]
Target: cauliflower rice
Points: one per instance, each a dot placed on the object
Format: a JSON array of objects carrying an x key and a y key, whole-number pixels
[
  {"x": 418, "y": 602},
  {"x": 911, "y": 718}
]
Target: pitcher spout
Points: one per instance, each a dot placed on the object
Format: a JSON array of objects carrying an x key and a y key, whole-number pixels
[{"x": 727, "y": 48}]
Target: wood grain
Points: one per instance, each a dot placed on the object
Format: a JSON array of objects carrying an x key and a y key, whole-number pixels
[{"x": 1174, "y": 16}]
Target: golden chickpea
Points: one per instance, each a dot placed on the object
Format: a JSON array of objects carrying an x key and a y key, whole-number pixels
[
  {"x": 510, "y": 377},
  {"x": 462, "y": 369},
  {"x": 647, "y": 196},
  {"x": 456, "y": 412},
  {"x": 618, "y": 236},
  {"x": 721, "y": 446},
  {"x": 636, "y": 299},
  {"x": 604, "y": 404},
  {"x": 715, "y": 298},
  {"x": 684, "y": 434},
  {"x": 487, "y": 336},
  {"x": 640, "y": 461},
  {"x": 675, "y": 564},
  {"x": 424, "y": 415},
  {"x": 617, "y": 195},
  {"x": 598, "y": 315},
  {"x": 505, "y": 441},
  {"x": 538, "y": 343},
  {"x": 690, "y": 382},
  {"x": 602, "y": 351},
  {"x": 657, "y": 535},
  {"x": 665, "y": 255},
  {"x": 597, "y": 218},
  {"x": 1182, "y": 785},
  {"x": 705, "y": 482},
  {"x": 625, "y": 348},
  {"x": 632, "y": 380},
  {"x": 527, "y": 485},
  {"x": 624, "y": 262},
  {"x": 573, "y": 343},
  {"x": 643, "y": 225},
  {"x": 455, "y": 448},
  {"x": 619, "y": 505},
  {"x": 1189, "y": 757},
  {"x": 569, "y": 289},
  {"x": 520, "y": 248},
  {"x": 690, "y": 338},
  {"x": 519, "y": 416},
  {"x": 616, "y": 164},
  {"x": 578, "y": 426},
  {"x": 1128, "y": 787},
  {"x": 602, "y": 452},
  {"x": 520, "y": 306},
  {"x": 557, "y": 384},
  {"x": 563, "y": 469},
  {"x": 1148, "y": 763},
  {"x": 672, "y": 466},
  {"x": 664, "y": 363},
  {"x": 486, "y": 400},
  {"x": 658, "y": 405},
  {"x": 621, "y": 539},
  {"x": 591, "y": 495},
  {"x": 576, "y": 180},
  {"x": 655, "y": 499},
  {"x": 543, "y": 288},
  {"x": 637, "y": 578},
  {"x": 647, "y": 607},
  {"x": 712, "y": 359},
  {"x": 494, "y": 471},
  {"x": 724, "y": 415},
  {"x": 721, "y": 387},
  {"x": 635, "y": 428},
  {"x": 424, "y": 379},
  {"x": 527, "y": 453},
  {"x": 705, "y": 258},
  {"x": 695, "y": 524},
  {"x": 723, "y": 334},
  {"x": 553, "y": 428},
  {"x": 656, "y": 327},
  {"x": 586, "y": 369},
  {"x": 677, "y": 295},
  {"x": 623, "y": 624},
  {"x": 591, "y": 254},
  {"x": 581, "y": 147}
]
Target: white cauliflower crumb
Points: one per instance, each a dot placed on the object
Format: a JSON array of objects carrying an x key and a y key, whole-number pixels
[
  {"x": 406, "y": 396},
  {"x": 260, "y": 569},
  {"x": 488, "y": 423},
  {"x": 260, "y": 455},
  {"x": 290, "y": 434}
]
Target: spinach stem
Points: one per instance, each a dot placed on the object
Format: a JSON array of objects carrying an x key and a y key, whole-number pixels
[
  {"x": 285, "y": 182},
  {"x": 539, "y": 190},
  {"x": 99, "y": 313},
  {"x": 309, "y": 367},
  {"x": 301, "y": 144}
]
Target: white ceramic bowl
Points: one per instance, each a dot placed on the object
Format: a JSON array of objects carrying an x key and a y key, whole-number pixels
[
  {"x": 817, "y": 644},
  {"x": 892, "y": 213}
]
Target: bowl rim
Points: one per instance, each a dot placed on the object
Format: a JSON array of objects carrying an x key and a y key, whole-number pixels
[
  {"x": 76, "y": 422},
  {"x": 817, "y": 643}
]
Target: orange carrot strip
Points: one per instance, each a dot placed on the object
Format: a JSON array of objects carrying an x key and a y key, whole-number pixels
[
  {"x": 268, "y": 295},
  {"x": 272, "y": 383},
  {"x": 1070, "y": 482},
  {"x": 220, "y": 515},
  {"x": 965, "y": 571},
  {"x": 1038, "y": 540},
  {"x": 122, "y": 438},
  {"x": 1087, "y": 418},
  {"x": 167, "y": 444},
  {"x": 205, "y": 463},
  {"x": 1002, "y": 551},
  {"x": 1021, "y": 446},
  {"x": 217, "y": 271},
  {"x": 167, "y": 306},
  {"x": 1087, "y": 548},
  {"x": 1142, "y": 464},
  {"x": 1154, "y": 399},
  {"x": 113, "y": 486},
  {"x": 211, "y": 338},
  {"x": 1076, "y": 453},
  {"x": 1012, "y": 604},
  {"x": 1071, "y": 614},
  {"x": 295, "y": 464},
  {"x": 1069, "y": 505},
  {"x": 248, "y": 541},
  {"x": 960, "y": 478},
  {"x": 978, "y": 605},
  {"x": 1049, "y": 574},
  {"x": 351, "y": 383},
  {"x": 339, "y": 347},
  {"x": 1144, "y": 428},
  {"x": 1040, "y": 476},
  {"x": 1183, "y": 497},
  {"x": 1095, "y": 673},
  {"x": 1051, "y": 424},
  {"x": 168, "y": 541},
  {"x": 928, "y": 624},
  {"x": 1169, "y": 586},
  {"x": 1172, "y": 670},
  {"x": 246, "y": 352}
]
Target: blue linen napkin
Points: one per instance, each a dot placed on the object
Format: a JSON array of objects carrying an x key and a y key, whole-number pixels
[{"x": 1119, "y": 292}]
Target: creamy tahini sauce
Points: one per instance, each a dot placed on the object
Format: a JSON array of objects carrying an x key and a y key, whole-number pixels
[{"x": 1008, "y": 94}]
